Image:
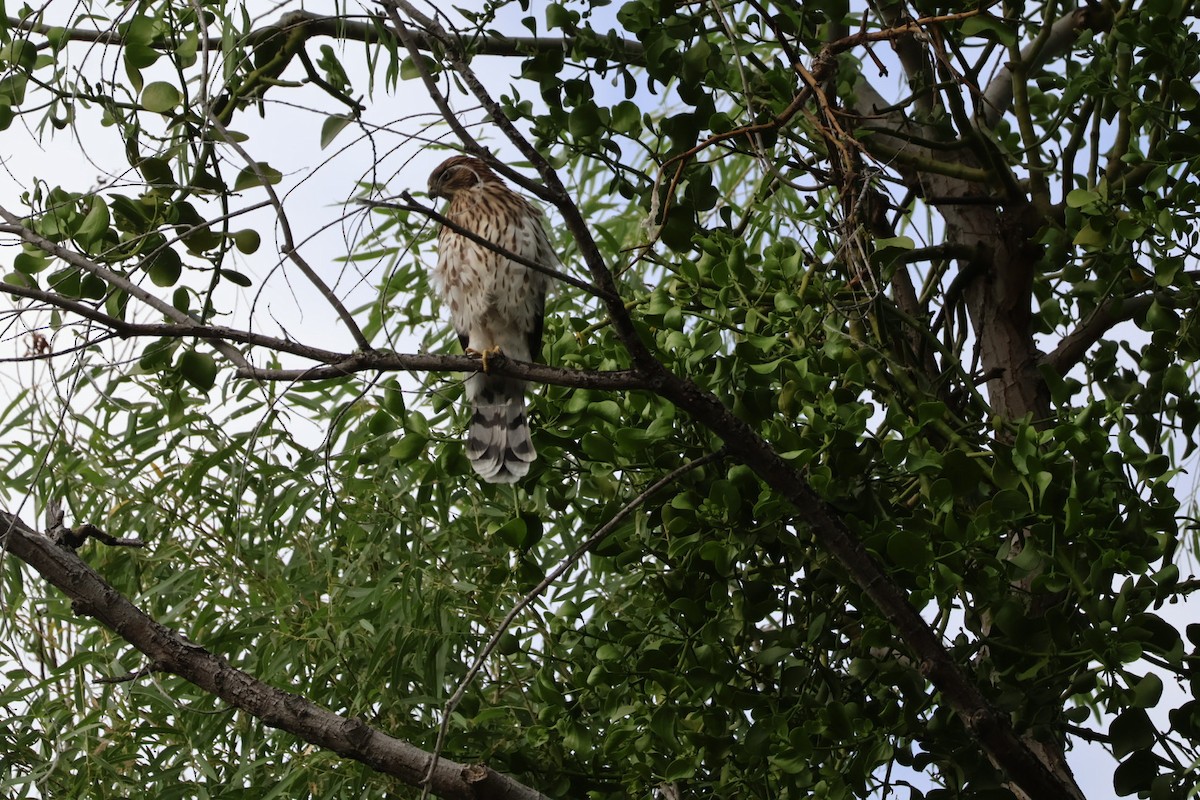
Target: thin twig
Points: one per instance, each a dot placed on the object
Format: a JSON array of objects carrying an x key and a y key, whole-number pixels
[
  {"x": 129, "y": 677},
  {"x": 289, "y": 248},
  {"x": 381, "y": 361},
  {"x": 334, "y": 364},
  {"x": 411, "y": 204},
  {"x": 583, "y": 549},
  {"x": 17, "y": 227}
]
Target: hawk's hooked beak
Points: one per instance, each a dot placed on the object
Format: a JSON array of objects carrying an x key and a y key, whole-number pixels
[{"x": 435, "y": 189}]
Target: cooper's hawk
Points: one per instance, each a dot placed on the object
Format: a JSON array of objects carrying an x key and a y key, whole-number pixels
[{"x": 495, "y": 303}]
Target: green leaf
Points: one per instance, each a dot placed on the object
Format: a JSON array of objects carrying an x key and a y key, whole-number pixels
[
  {"x": 988, "y": 27},
  {"x": 1131, "y": 730},
  {"x": 409, "y": 70},
  {"x": 12, "y": 89},
  {"x": 1078, "y": 198},
  {"x": 606, "y": 410},
  {"x": 20, "y": 54},
  {"x": 164, "y": 267},
  {"x": 907, "y": 550},
  {"x": 1135, "y": 773},
  {"x": 1148, "y": 691},
  {"x": 256, "y": 176},
  {"x": 247, "y": 240},
  {"x": 896, "y": 242},
  {"x": 679, "y": 769},
  {"x": 559, "y": 17},
  {"x": 95, "y": 223},
  {"x": 408, "y": 447},
  {"x": 198, "y": 369},
  {"x": 1091, "y": 237},
  {"x": 160, "y": 97},
  {"x": 1162, "y": 318},
  {"x": 30, "y": 263},
  {"x": 332, "y": 127},
  {"x": 236, "y": 277},
  {"x": 513, "y": 533}
]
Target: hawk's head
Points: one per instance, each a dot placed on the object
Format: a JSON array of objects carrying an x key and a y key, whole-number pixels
[{"x": 458, "y": 173}]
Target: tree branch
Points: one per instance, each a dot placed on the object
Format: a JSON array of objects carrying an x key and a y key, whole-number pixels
[
  {"x": 410, "y": 204},
  {"x": 990, "y": 728},
  {"x": 17, "y": 227},
  {"x": 335, "y": 364},
  {"x": 168, "y": 651},
  {"x": 1075, "y": 344},
  {"x": 628, "y": 51},
  {"x": 500, "y": 364},
  {"x": 1053, "y": 42}
]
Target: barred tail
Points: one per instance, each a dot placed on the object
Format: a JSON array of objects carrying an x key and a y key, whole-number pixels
[{"x": 498, "y": 443}]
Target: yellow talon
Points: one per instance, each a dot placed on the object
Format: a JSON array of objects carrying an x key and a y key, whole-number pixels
[{"x": 484, "y": 355}]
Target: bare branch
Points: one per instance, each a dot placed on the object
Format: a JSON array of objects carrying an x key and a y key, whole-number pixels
[
  {"x": 1075, "y": 344},
  {"x": 490, "y": 43},
  {"x": 382, "y": 361},
  {"x": 168, "y": 651},
  {"x": 1053, "y": 42},
  {"x": 76, "y": 537},
  {"x": 129, "y": 677}
]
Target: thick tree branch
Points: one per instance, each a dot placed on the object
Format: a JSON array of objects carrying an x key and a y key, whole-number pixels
[
  {"x": 1053, "y": 42},
  {"x": 382, "y": 361},
  {"x": 1074, "y": 345},
  {"x": 489, "y": 43},
  {"x": 167, "y": 651}
]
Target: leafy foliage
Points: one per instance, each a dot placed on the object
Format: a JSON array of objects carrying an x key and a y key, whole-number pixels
[{"x": 960, "y": 309}]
